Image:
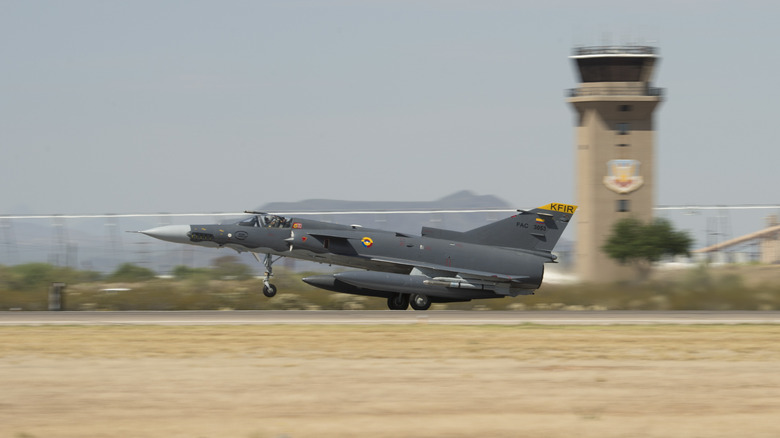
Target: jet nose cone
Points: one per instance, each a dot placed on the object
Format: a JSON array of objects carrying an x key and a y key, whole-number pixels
[{"x": 170, "y": 233}]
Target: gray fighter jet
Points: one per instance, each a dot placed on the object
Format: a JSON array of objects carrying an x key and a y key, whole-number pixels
[{"x": 502, "y": 259}]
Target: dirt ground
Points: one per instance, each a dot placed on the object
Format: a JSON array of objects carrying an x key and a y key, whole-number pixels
[{"x": 389, "y": 381}]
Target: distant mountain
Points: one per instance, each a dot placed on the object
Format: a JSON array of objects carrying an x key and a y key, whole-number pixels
[
  {"x": 406, "y": 222},
  {"x": 464, "y": 199}
]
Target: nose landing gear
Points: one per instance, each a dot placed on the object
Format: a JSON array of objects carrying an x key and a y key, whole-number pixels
[{"x": 269, "y": 289}]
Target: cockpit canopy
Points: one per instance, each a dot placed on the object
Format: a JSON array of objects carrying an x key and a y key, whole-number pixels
[{"x": 266, "y": 221}]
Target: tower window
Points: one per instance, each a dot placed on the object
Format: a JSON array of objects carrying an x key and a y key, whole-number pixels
[
  {"x": 623, "y": 205},
  {"x": 623, "y": 128},
  {"x": 625, "y": 108},
  {"x": 622, "y": 145}
]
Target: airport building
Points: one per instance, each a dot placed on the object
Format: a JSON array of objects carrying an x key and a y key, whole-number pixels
[{"x": 614, "y": 106}]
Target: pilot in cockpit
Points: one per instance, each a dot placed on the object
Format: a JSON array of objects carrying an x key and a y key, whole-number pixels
[{"x": 266, "y": 221}]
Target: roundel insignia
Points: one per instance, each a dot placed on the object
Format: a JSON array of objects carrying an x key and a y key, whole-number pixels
[{"x": 367, "y": 242}]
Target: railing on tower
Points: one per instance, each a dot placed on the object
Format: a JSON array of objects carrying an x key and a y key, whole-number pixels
[
  {"x": 615, "y": 91},
  {"x": 614, "y": 50}
]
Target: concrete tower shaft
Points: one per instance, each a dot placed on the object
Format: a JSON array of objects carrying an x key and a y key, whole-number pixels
[{"x": 615, "y": 139}]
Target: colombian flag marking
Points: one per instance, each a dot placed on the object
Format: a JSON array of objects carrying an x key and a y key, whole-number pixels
[{"x": 367, "y": 242}]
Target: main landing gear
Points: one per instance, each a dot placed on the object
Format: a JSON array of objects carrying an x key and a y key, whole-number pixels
[
  {"x": 269, "y": 289},
  {"x": 420, "y": 302},
  {"x": 402, "y": 301},
  {"x": 398, "y": 302}
]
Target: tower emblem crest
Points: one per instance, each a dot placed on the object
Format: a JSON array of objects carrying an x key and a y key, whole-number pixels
[{"x": 623, "y": 176}]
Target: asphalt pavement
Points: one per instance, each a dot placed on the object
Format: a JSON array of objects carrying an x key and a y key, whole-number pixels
[{"x": 387, "y": 317}]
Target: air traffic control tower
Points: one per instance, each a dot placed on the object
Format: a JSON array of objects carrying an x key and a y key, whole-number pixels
[{"x": 615, "y": 137}]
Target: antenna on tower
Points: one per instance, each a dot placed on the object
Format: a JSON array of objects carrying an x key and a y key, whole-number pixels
[{"x": 606, "y": 38}]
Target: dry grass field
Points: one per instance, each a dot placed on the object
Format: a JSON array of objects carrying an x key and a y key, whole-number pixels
[{"x": 389, "y": 381}]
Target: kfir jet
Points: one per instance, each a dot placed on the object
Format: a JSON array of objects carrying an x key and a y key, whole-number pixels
[{"x": 502, "y": 259}]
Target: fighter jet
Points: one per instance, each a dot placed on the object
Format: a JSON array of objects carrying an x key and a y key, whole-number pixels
[{"x": 502, "y": 259}]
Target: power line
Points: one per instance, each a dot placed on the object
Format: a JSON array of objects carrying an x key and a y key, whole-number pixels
[
  {"x": 332, "y": 212},
  {"x": 718, "y": 207}
]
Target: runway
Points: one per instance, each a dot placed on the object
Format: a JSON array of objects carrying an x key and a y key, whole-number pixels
[{"x": 386, "y": 317}]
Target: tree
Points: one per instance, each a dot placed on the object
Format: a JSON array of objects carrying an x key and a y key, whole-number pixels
[
  {"x": 640, "y": 244},
  {"x": 184, "y": 272},
  {"x": 130, "y": 273}
]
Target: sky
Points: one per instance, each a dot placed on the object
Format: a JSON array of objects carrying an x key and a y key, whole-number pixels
[{"x": 208, "y": 106}]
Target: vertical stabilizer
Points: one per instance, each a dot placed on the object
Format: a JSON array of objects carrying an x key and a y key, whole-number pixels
[{"x": 535, "y": 230}]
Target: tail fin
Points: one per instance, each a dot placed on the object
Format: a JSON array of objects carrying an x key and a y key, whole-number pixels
[{"x": 535, "y": 230}]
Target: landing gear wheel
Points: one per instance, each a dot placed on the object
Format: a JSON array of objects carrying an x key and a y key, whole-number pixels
[
  {"x": 398, "y": 302},
  {"x": 420, "y": 302},
  {"x": 269, "y": 290}
]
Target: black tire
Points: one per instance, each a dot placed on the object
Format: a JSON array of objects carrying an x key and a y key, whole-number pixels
[
  {"x": 398, "y": 302},
  {"x": 420, "y": 302},
  {"x": 269, "y": 290}
]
